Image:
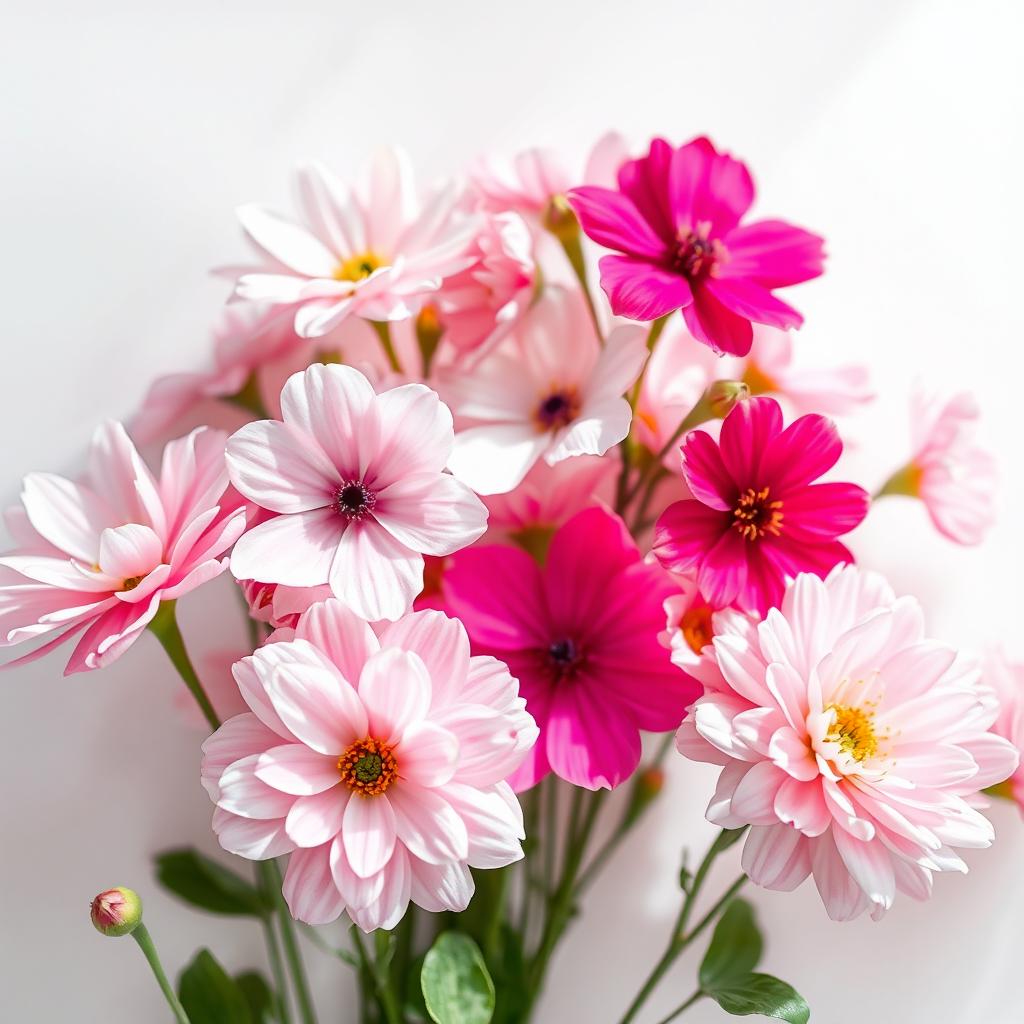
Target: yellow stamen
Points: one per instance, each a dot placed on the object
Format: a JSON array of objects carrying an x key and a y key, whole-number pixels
[
  {"x": 368, "y": 767},
  {"x": 358, "y": 267},
  {"x": 853, "y": 730}
]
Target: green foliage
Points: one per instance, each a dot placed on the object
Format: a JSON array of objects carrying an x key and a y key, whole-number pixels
[
  {"x": 457, "y": 988},
  {"x": 210, "y": 995},
  {"x": 204, "y": 883},
  {"x": 763, "y": 994}
]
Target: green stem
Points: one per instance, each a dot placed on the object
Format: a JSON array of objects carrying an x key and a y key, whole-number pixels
[
  {"x": 143, "y": 938},
  {"x": 293, "y": 955},
  {"x": 906, "y": 481},
  {"x": 273, "y": 949},
  {"x": 383, "y": 329},
  {"x": 573, "y": 246},
  {"x": 682, "y": 1008},
  {"x": 165, "y": 629},
  {"x": 378, "y": 974},
  {"x": 682, "y": 937}
]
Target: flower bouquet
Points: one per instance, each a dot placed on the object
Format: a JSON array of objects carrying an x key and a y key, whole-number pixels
[{"x": 525, "y": 490}]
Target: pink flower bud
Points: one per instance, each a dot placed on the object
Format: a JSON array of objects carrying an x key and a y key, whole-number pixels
[
  {"x": 116, "y": 911},
  {"x": 723, "y": 395}
]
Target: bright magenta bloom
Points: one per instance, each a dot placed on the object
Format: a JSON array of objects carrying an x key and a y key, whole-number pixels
[
  {"x": 581, "y": 635},
  {"x": 676, "y": 221},
  {"x": 756, "y": 515}
]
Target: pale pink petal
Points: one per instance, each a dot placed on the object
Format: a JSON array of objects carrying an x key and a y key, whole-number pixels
[
  {"x": 297, "y": 550},
  {"x": 242, "y": 793},
  {"x": 431, "y": 512},
  {"x": 427, "y": 754},
  {"x": 395, "y": 688},
  {"x": 368, "y": 833},
  {"x": 427, "y": 824},
  {"x": 494, "y": 821},
  {"x": 296, "y": 769},
  {"x": 440, "y": 887},
  {"x": 309, "y": 887},
  {"x": 250, "y": 837},
  {"x": 317, "y": 818},
  {"x": 776, "y": 857},
  {"x": 493, "y": 459},
  {"x": 68, "y": 515},
  {"x": 345, "y": 638},
  {"x": 443, "y": 647},
  {"x": 374, "y": 574}
]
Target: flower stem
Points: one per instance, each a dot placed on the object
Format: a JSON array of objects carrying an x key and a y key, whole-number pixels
[
  {"x": 383, "y": 329},
  {"x": 272, "y": 881},
  {"x": 377, "y": 973},
  {"x": 143, "y": 938},
  {"x": 682, "y": 1008},
  {"x": 165, "y": 629},
  {"x": 682, "y": 937},
  {"x": 906, "y": 480},
  {"x": 273, "y": 947},
  {"x": 573, "y": 247}
]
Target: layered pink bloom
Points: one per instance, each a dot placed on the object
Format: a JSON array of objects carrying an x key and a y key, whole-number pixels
[
  {"x": 277, "y": 605},
  {"x": 756, "y": 516},
  {"x": 357, "y": 482},
  {"x": 550, "y": 390},
  {"x": 377, "y": 761},
  {"x": 530, "y": 181},
  {"x": 581, "y": 635},
  {"x": 377, "y": 253},
  {"x": 949, "y": 471},
  {"x": 770, "y": 369},
  {"x": 494, "y": 289},
  {"x": 849, "y": 742},
  {"x": 100, "y": 554},
  {"x": 1006, "y": 678},
  {"x": 675, "y": 220},
  {"x": 550, "y": 495}
]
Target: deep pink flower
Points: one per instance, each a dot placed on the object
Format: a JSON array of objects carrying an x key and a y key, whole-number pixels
[
  {"x": 581, "y": 635},
  {"x": 101, "y": 553},
  {"x": 852, "y": 744},
  {"x": 756, "y": 516},
  {"x": 377, "y": 760},
  {"x": 675, "y": 219}
]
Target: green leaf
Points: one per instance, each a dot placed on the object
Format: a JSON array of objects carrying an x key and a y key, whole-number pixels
[
  {"x": 204, "y": 883},
  {"x": 763, "y": 994},
  {"x": 456, "y": 986},
  {"x": 210, "y": 995},
  {"x": 735, "y": 947},
  {"x": 259, "y": 996},
  {"x": 726, "y": 838}
]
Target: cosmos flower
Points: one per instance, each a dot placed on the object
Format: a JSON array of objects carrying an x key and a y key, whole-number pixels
[{"x": 851, "y": 743}]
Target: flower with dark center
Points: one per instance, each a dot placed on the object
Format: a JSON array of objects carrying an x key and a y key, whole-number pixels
[
  {"x": 558, "y": 409},
  {"x": 564, "y": 658},
  {"x": 354, "y": 500},
  {"x": 695, "y": 255}
]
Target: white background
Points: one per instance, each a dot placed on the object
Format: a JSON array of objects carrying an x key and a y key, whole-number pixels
[{"x": 130, "y": 131}]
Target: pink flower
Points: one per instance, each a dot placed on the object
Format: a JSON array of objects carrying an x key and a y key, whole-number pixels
[
  {"x": 494, "y": 289},
  {"x": 756, "y": 516},
  {"x": 549, "y": 391},
  {"x": 849, "y": 742},
  {"x": 377, "y": 761},
  {"x": 581, "y": 635},
  {"x": 1006, "y": 678},
  {"x": 101, "y": 554},
  {"x": 378, "y": 253},
  {"x": 834, "y": 390},
  {"x": 675, "y": 219},
  {"x": 358, "y": 484},
  {"x": 277, "y": 605},
  {"x": 954, "y": 476},
  {"x": 690, "y": 623}
]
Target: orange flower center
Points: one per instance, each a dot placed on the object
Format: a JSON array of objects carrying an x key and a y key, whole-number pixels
[
  {"x": 358, "y": 267},
  {"x": 696, "y": 627},
  {"x": 131, "y": 583},
  {"x": 368, "y": 767},
  {"x": 754, "y": 515}
]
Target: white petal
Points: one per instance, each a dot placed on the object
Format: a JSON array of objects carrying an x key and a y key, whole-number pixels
[
  {"x": 68, "y": 515},
  {"x": 493, "y": 459},
  {"x": 374, "y": 574},
  {"x": 432, "y": 512},
  {"x": 296, "y": 550},
  {"x": 395, "y": 689},
  {"x": 288, "y": 243},
  {"x": 368, "y": 833}
]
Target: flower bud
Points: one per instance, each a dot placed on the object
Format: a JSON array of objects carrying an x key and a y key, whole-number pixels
[
  {"x": 559, "y": 219},
  {"x": 116, "y": 911},
  {"x": 723, "y": 395},
  {"x": 646, "y": 786}
]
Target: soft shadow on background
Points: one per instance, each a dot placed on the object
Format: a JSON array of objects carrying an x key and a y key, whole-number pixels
[{"x": 130, "y": 134}]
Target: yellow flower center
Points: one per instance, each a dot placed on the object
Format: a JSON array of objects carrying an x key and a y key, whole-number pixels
[
  {"x": 358, "y": 267},
  {"x": 131, "y": 583},
  {"x": 368, "y": 767},
  {"x": 852, "y": 729},
  {"x": 754, "y": 515}
]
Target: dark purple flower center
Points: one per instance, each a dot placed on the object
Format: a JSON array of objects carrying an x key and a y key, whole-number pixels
[
  {"x": 353, "y": 500},
  {"x": 695, "y": 255},
  {"x": 564, "y": 658},
  {"x": 559, "y": 409},
  {"x": 755, "y": 514}
]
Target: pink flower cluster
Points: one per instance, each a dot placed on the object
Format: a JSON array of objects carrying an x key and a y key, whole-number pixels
[{"x": 491, "y": 528}]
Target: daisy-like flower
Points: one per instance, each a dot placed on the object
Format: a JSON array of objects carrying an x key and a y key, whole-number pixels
[
  {"x": 581, "y": 635},
  {"x": 756, "y": 516},
  {"x": 1006, "y": 678},
  {"x": 849, "y": 742},
  {"x": 377, "y": 761},
  {"x": 675, "y": 221},
  {"x": 770, "y": 369},
  {"x": 100, "y": 554},
  {"x": 377, "y": 253},
  {"x": 357, "y": 482},
  {"x": 549, "y": 391},
  {"x": 949, "y": 471}
]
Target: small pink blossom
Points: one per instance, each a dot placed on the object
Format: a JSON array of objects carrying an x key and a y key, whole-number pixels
[
  {"x": 756, "y": 516},
  {"x": 1006, "y": 678},
  {"x": 549, "y": 391},
  {"x": 690, "y": 623},
  {"x": 377, "y": 253},
  {"x": 357, "y": 482},
  {"x": 376, "y": 760},
  {"x": 278, "y": 605},
  {"x": 581, "y": 635},
  {"x": 849, "y": 742},
  {"x": 100, "y": 554},
  {"x": 675, "y": 222}
]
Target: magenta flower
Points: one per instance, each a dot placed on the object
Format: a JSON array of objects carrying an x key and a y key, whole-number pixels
[
  {"x": 756, "y": 516},
  {"x": 581, "y": 635},
  {"x": 676, "y": 221}
]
